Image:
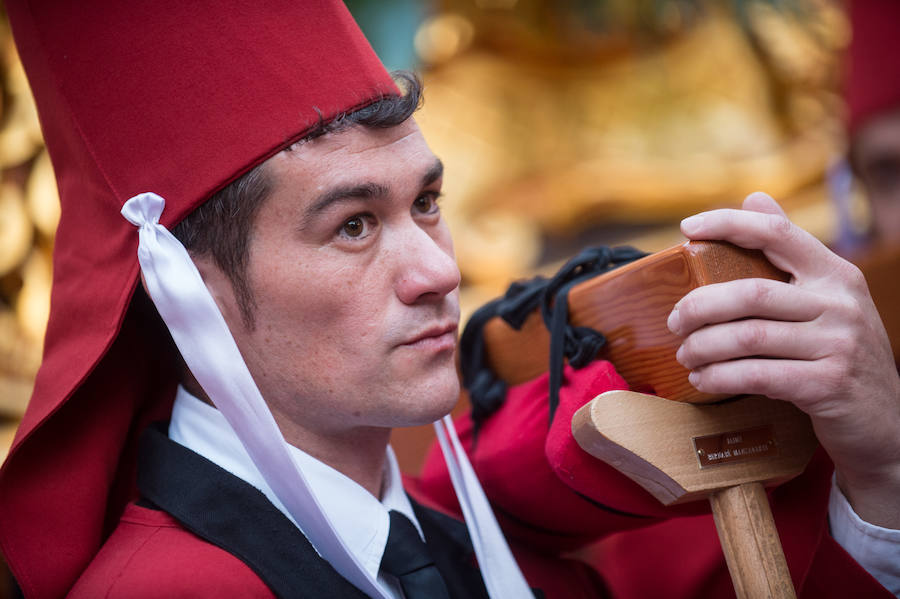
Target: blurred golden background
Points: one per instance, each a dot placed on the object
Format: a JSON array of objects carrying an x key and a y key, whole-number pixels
[
  {"x": 561, "y": 124},
  {"x": 567, "y": 123},
  {"x": 29, "y": 213}
]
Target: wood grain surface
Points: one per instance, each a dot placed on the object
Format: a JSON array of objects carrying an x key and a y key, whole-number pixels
[
  {"x": 652, "y": 441},
  {"x": 630, "y": 306},
  {"x": 750, "y": 543}
]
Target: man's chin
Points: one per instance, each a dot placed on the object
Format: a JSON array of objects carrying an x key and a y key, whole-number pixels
[{"x": 434, "y": 402}]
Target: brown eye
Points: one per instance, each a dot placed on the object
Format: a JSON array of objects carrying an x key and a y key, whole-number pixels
[
  {"x": 425, "y": 204},
  {"x": 354, "y": 227}
]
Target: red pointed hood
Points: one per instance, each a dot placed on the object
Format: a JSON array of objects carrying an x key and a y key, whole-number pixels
[
  {"x": 179, "y": 98},
  {"x": 873, "y": 60}
]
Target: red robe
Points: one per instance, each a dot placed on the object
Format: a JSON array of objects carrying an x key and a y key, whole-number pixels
[{"x": 151, "y": 555}]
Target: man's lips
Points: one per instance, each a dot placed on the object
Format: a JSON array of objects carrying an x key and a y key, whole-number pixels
[{"x": 435, "y": 337}]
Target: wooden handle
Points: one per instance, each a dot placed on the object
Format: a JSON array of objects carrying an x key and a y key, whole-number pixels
[
  {"x": 724, "y": 451},
  {"x": 750, "y": 543},
  {"x": 630, "y": 305}
]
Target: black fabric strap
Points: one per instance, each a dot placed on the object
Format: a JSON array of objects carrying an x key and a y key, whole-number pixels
[{"x": 232, "y": 514}]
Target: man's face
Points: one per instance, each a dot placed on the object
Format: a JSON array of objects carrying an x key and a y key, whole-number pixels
[
  {"x": 876, "y": 154},
  {"x": 355, "y": 284}
]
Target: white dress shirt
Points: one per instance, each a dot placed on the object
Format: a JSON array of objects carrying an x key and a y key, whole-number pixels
[
  {"x": 361, "y": 520},
  {"x": 875, "y": 548}
]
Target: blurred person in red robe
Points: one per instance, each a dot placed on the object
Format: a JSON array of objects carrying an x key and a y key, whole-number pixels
[{"x": 873, "y": 99}]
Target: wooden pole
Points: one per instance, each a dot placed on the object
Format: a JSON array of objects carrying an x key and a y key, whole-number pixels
[{"x": 750, "y": 543}]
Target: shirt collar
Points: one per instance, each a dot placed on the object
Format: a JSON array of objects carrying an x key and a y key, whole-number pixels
[{"x": 359, "y": 518}]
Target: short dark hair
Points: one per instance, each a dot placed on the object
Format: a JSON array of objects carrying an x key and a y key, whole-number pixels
[{"x": 221, "y": 226}]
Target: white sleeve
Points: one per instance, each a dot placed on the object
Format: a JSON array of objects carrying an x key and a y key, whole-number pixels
[{"x": 875, "y": 548}]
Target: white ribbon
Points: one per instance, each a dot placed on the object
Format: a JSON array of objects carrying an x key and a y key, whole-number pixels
[
  {"x": 209, "y": 350},
  {"x": 501, "y": 574}
]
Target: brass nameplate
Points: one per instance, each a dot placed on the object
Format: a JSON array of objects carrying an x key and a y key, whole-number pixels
[{"x": 735, "y": 446}]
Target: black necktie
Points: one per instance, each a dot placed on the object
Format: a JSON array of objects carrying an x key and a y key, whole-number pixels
[{"x": 407, "y": 558}]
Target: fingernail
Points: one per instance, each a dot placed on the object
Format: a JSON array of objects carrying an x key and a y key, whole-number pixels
[
  {"x": 679, "y": 355},
  {"x": 692, "y": 224},
  {"x": 694, "y": 379},
  {"x": 674, "y": 320}
]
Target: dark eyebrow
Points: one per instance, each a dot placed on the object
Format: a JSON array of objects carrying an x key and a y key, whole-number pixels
[
  {"x": 366, "y": 191},
  {"x": 434, "y": 173}
]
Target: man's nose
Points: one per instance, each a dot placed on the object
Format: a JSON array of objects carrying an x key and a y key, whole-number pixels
[{"x": 427, "y": 269}]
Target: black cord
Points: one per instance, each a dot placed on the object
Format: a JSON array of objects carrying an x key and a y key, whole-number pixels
[{"x": 580, "y": 345}]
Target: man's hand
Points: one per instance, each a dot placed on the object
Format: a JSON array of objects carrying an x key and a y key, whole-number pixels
[{"x": 816, "y": 341}]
